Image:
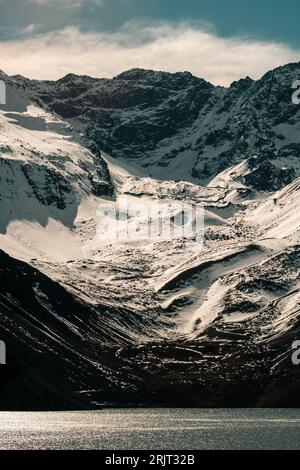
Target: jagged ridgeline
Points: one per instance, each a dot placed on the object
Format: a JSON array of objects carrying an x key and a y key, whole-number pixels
[{"x": 161, "y": 120}]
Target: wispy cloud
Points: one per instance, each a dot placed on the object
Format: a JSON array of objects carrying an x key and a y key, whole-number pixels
[
  {"x": 66, "y": 4},
  {"x": 71, "y": 3},
  {"x": 162, "y": 46}
]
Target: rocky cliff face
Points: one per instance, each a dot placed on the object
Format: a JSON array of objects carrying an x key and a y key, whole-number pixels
[{"x": 177, "y": 125}]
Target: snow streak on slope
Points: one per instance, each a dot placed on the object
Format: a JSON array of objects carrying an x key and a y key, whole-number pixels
[{"x": 279, "y": 215}]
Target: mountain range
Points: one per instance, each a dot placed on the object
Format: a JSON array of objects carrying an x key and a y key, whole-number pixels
[{"x": 91, "y": 321}]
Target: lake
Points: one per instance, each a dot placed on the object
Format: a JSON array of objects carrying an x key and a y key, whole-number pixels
[{"x": 152, "y": 429}]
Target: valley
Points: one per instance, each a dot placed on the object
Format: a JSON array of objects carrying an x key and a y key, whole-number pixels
[{"x": 90, "y": 321}]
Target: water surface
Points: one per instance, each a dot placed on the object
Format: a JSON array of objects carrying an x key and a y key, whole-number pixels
[{"x": 155, "y": 429}]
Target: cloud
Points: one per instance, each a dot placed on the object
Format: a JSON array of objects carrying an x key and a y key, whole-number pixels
[
  {"x": 162, "y": 46},
  {"x": 66, "y": 3}
]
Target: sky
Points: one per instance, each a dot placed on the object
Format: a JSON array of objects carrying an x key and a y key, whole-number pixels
[{"x": 218, "y": 40}]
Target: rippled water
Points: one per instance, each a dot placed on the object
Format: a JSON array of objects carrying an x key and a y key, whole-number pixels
[{"x": 170, "y": 429}]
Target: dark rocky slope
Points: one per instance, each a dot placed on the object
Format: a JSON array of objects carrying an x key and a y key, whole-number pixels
[
  {"x": 64, "y": 353},
  {"x": 169, "y": 121}
]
